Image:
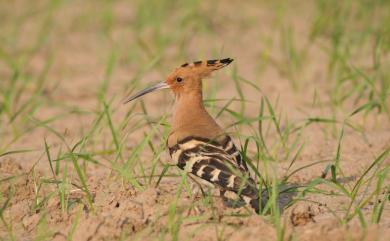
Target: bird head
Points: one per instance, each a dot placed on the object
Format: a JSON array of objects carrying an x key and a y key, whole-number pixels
[{"x": 186, "y": 78}]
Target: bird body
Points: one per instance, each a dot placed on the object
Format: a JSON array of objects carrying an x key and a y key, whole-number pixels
[{"x": 197, "y": 144}]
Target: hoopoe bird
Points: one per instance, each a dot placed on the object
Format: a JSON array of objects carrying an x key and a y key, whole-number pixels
[{"x": 197, "y": 144}]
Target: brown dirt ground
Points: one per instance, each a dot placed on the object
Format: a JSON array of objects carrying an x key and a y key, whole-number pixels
[{"x": 80, "y": 54}]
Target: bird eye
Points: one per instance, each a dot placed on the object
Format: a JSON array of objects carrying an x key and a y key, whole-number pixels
[{"x": 179, "y": 79}]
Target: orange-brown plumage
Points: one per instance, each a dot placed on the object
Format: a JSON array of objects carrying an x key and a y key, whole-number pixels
[
  {"x": 189, "y": 116},
  {"x": 196, "y": 142}
]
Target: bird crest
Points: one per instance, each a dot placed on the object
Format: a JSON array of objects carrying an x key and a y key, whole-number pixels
[
  {"x": 204, "y": 68},
  {"x": 212, "y": 64},
  {"x": 186, "y": 78}
]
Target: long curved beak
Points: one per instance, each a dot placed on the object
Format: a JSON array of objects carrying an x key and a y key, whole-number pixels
[{"x": 158, "y": 86}]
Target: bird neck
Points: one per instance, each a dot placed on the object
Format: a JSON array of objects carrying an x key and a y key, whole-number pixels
[{"x": 191, "y": 118}]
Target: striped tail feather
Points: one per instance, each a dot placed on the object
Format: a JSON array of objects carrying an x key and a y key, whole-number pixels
[
  {"x": 257, "y": 203},
  {"x": 248, "y": 191}
]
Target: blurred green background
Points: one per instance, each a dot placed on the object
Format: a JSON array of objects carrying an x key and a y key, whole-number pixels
[{"x": 66, "y": 66}]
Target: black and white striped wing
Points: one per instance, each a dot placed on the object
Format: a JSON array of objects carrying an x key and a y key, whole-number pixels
[
  {"x": 229, "y": 147},
  {"x": 212, "y": 163}
]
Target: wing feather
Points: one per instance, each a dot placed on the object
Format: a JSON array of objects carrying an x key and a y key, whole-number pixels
[
  {"x": 231, "y": 149},
  {"x": 215, "y": 165}
]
